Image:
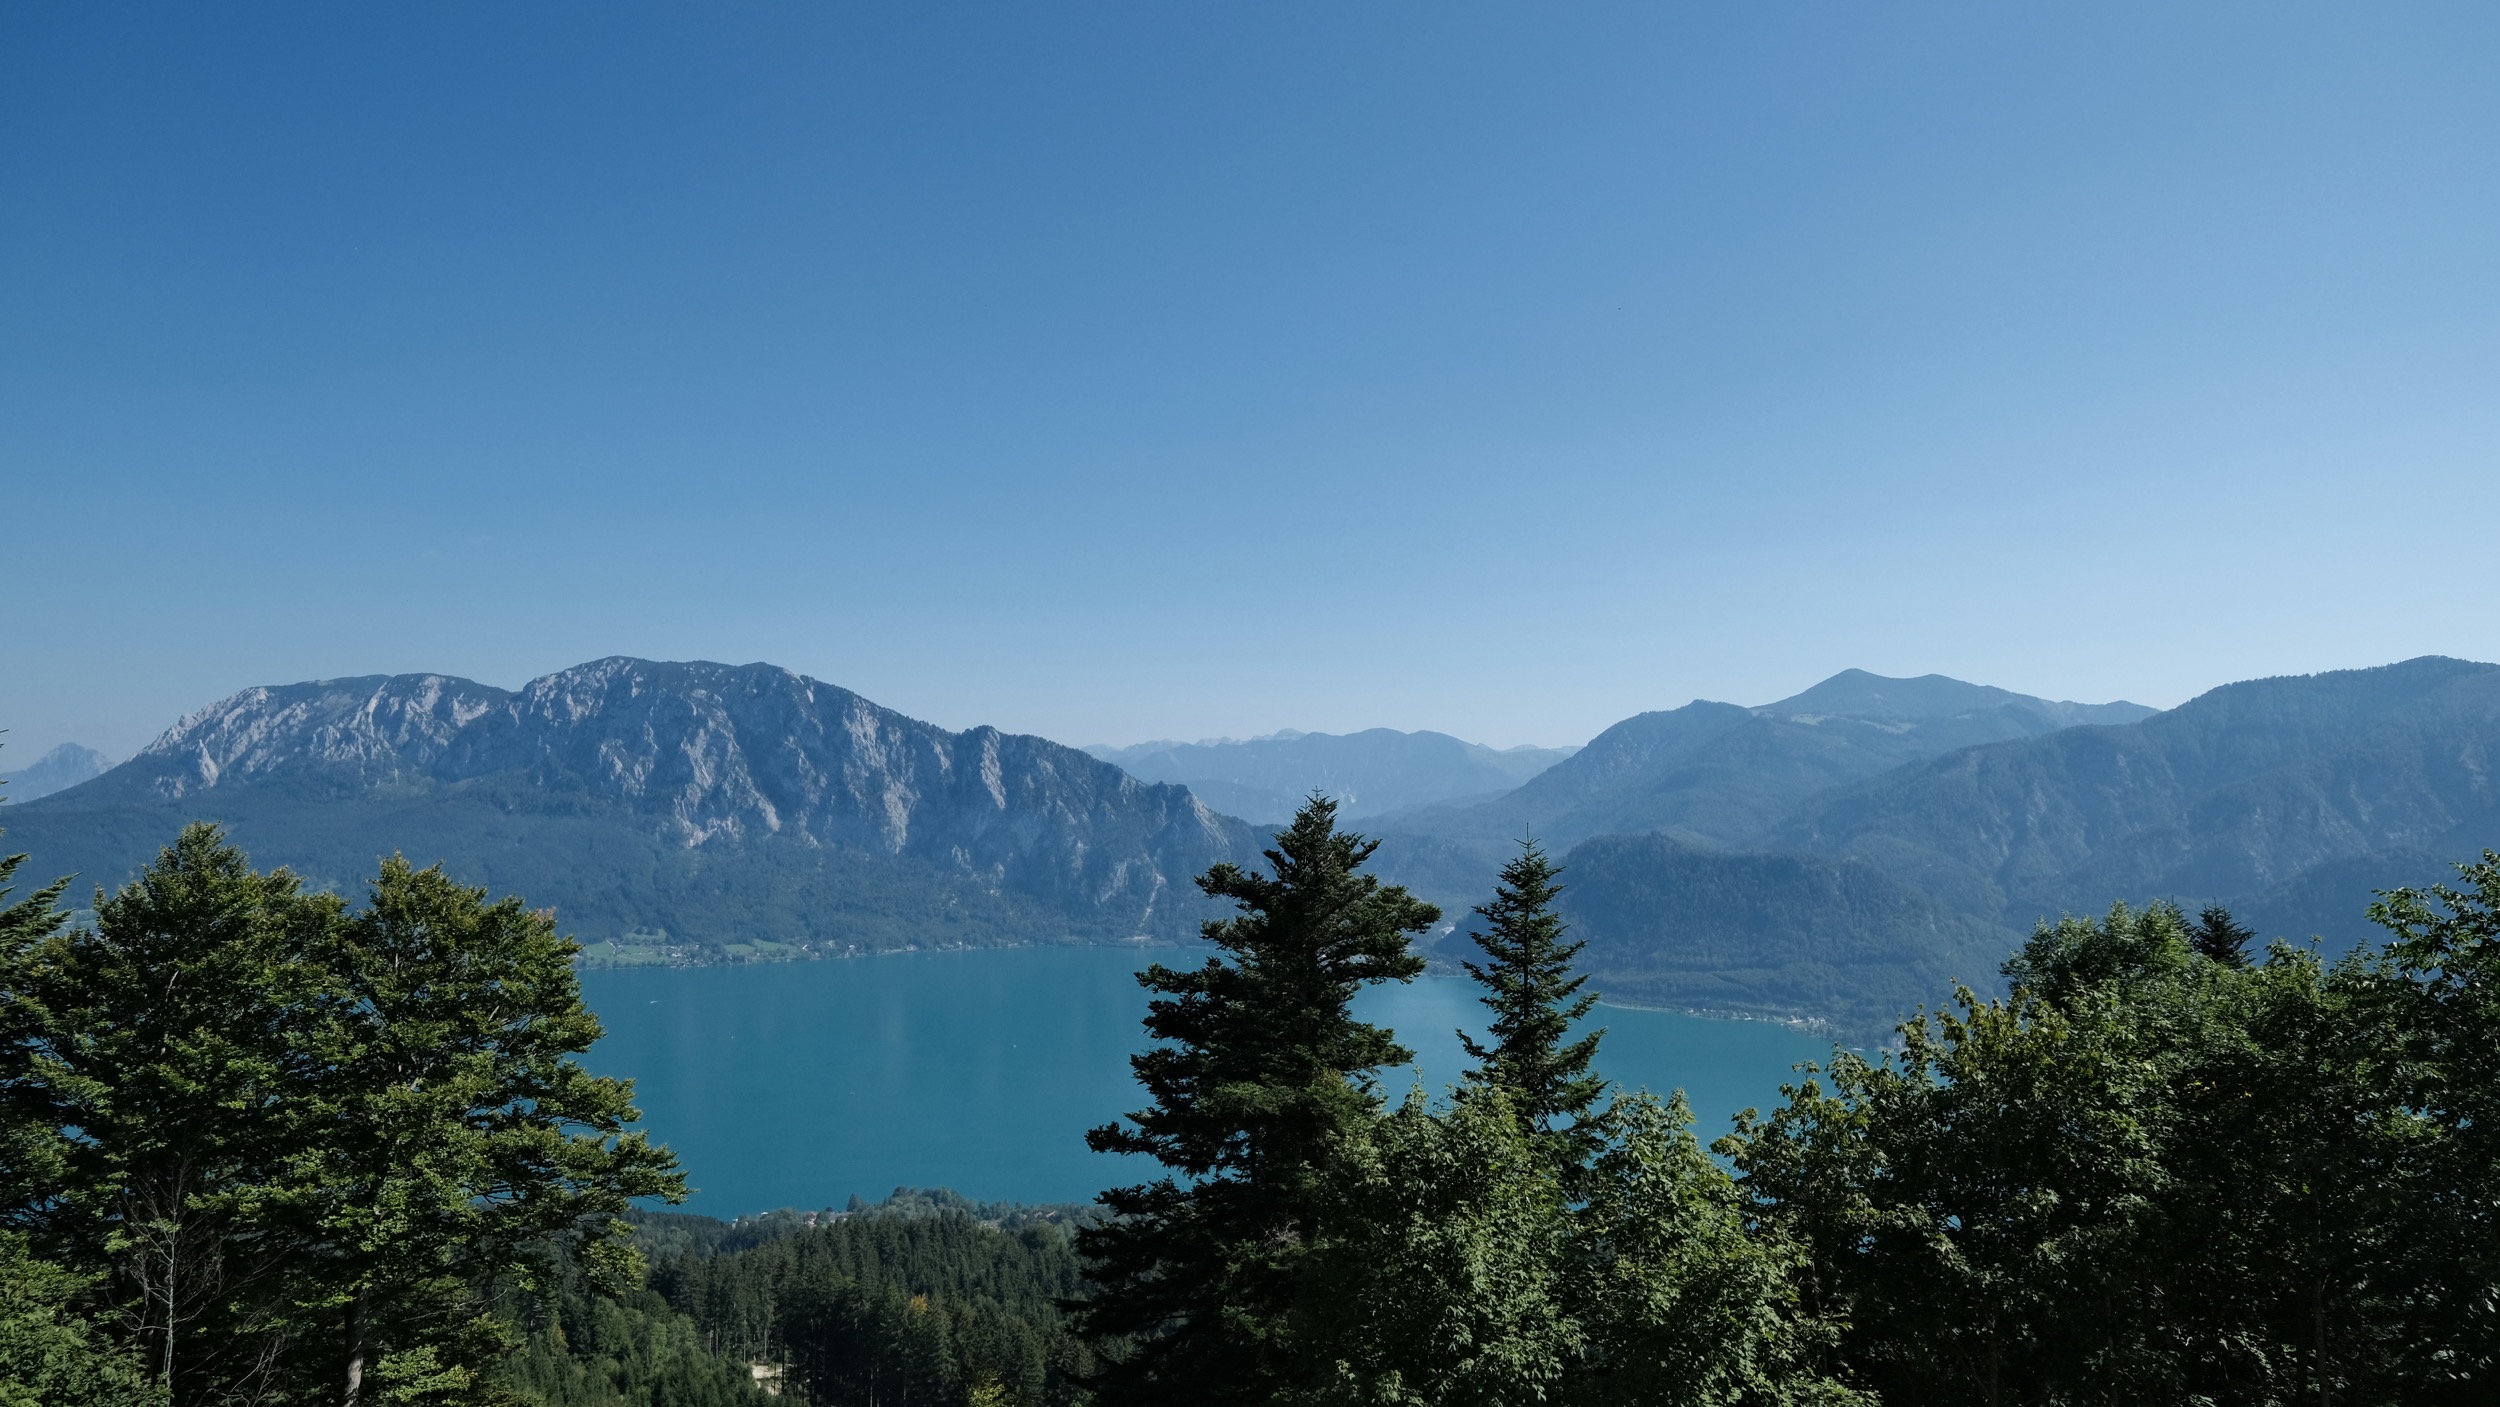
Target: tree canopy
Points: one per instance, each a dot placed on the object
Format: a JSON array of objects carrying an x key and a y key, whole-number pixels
[{"x": 296, "y": 1143}]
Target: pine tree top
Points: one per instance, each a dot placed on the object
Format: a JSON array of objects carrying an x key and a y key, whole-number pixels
[{"x": 1535, "y": 998}]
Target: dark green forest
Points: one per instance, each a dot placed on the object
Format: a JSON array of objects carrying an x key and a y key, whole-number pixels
[{"x": 265, "y": 1145}]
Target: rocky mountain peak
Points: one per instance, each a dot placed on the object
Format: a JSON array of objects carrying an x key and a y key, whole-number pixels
[{"x": 707, "y": 757}]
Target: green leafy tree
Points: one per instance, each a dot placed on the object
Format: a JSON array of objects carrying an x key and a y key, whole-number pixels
[
  {"x": 1527, "y": 970},
  {"x": 451, "y": 1138},
  {"x": 2441, "y": 985},
  {"x": 2279, "y": 1256},
  {"x": 297, "y": 1147},
  {"x": 1260, "y": 1078},
  {"x": 1681, "y": 1300},
  {"x": 2146, "y": 1175},
  {"x": 1965, "y": 1197},
  {"x": 1446, "y": 1282},
  {"x": 50, "y": 1356},
  {"x": 162, "y": 1051}
]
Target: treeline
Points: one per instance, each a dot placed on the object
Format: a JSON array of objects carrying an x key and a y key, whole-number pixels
[
  {"x": 259, "y": 1145},
  {"x": 2161, "y": 1169},
  {"x": 624, "y": 1348},
  {"x": 916, "y": 1302}
]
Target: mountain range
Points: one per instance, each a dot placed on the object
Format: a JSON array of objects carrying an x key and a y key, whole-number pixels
[
  {"x": 1842, "y": 865},
  {"x": 682, "y": 811},
  {"x": 1837, "y": 856},
  {"x": 1376, "y": 772},
  {"x": 1722, "y": 775}
]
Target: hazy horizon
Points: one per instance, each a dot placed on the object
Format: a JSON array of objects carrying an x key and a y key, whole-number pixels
[{"x": 23, "y": 755}]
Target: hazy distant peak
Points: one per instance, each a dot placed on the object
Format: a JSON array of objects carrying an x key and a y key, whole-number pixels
[
  {"x": 1856, "y": 693},
  {"x": 64, "y": 766},
  {"x": 1371, "y": 772}
]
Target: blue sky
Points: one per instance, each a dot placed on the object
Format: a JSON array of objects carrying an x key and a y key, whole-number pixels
[{"x": 1125, "y": 371}]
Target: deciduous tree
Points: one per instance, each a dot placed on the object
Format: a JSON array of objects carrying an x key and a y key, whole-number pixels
[{"x": 451, "y": 1136}]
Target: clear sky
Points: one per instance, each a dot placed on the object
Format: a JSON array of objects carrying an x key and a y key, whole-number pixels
[{"x": 1115, "y": 371}]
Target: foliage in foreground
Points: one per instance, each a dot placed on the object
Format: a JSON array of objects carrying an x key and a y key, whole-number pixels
[
  {"x": 1316, "y": 1247},
  {"x": 259, "y": 1146},
  {"x": 2160, "y": 1172},
  {"x": 50, "y": 1355},
  {"x": 292, "y": 1148},
  {"x": 1259, "y": 1082}
]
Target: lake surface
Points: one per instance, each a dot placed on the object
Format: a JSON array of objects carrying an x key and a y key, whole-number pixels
[{"x": 798, "y": 1084}]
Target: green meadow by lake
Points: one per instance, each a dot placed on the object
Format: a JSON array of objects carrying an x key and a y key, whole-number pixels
[{"x": 799, "y": 1084}]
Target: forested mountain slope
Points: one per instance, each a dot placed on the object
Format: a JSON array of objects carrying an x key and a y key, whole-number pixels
[
  {"x": 1836, "y": 853},
  {"x": 1720, "y": 774},
  {"x": 699, "y": 809},
  {"x": 1797, "y": 937},
  {"x": 2291, "y": 797},
  {"x": 1368, "y": 773}
]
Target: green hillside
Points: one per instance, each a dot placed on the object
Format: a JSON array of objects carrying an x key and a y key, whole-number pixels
[
  {"x": 1786, "y": 936},
  {"x": 1717, "y": 774},
  {"x": 2291, "y": 797},
  {"x": 2290, "y": 800}
]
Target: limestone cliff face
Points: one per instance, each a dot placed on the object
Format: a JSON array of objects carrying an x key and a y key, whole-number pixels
[
  {"x": 712, "y": 758},
  {"x": 347, "y": 734}
]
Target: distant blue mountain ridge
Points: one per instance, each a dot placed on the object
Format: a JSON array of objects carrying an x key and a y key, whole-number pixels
[
  {"x": 1836, "y": 856},
  {"x": 58, "y": 770},
  {"x": 1852, "y": 851},
  {"x": 1376, "y": 771}
]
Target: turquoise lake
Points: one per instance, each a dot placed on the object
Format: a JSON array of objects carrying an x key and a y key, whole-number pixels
[{"x": 799, "y": 1084}]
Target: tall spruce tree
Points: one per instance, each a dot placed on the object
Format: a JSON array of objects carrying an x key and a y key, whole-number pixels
[
  {"x": 2221, "y": 937},
  {"x": 1262, "y": 1074},
  {"x": 1533, "y": 995}
]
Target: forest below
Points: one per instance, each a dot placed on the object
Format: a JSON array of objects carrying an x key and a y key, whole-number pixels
[{"x": 259, "y": 1144}]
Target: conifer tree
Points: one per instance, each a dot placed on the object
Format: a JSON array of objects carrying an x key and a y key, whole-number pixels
[
  {"x": 1262, "y": 1073},
  {"x": 31, "y": 1148},
  {"x": 1532, "y": 993},
  {"x": 50, "y": 1356},
  {"x": 2221, "y": 937}
]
